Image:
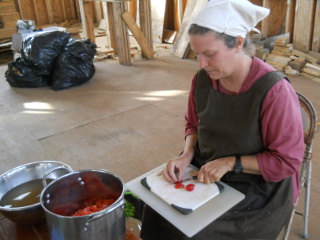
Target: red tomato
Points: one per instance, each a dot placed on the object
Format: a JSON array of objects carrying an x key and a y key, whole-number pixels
[
  {"x": 179, "y": 185},
  {"x": 190, "y": 187}
]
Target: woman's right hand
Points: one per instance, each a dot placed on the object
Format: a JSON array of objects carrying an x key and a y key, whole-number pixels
[{"x": 176, "y": 167}]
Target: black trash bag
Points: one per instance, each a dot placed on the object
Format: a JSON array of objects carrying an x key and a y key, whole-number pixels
[
  {"x": 74, "y": 66},
  {"x": 20, "y": 74},
  {"x": 80, "y": 46},
  {"x": 43, "y": 49}
]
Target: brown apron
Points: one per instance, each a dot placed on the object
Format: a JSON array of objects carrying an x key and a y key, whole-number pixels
[{"x": 266, "y": 207}]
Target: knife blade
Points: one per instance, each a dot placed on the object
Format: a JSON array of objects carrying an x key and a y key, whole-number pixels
[{"x": 186, "y": 179}]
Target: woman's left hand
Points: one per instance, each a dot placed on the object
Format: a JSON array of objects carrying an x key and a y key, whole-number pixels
[{"x": 214, "y": 170}]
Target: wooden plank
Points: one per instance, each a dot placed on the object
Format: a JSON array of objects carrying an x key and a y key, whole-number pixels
[
  {"x": 316, "y": 67},
  {"x": 308, "y": 57},
  {"x": 316, "y": 30},
  {"x": 181, "y": 45},
  {"x": 306, "y": 75},
  {"x": 272, "y": 25},
  {"x": 303, "y": 25},
  {"x": 177, "y": 14},
  {"x": 121, "y": 33},
  {"x": 141, "y": 39}
]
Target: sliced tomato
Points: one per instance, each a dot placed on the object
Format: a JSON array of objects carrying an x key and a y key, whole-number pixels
[
  {"x": 179, "y": 185},
  {"x": 190, "y": 187}
]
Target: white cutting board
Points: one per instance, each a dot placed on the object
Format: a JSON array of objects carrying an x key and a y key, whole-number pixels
[
  {"x": 194, "y": 222},
  {"x": 180, "y": 199}
]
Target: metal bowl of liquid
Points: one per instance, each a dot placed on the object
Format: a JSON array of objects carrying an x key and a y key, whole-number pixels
[{"x": 20, "y": 190}]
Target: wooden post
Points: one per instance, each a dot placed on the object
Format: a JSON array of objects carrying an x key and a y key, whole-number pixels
[
  {"x": 106, "y": 20},
  {"x": 121, "y": 33},
  {"x": 89, "y": 21},
  {"x": 146, "y": 22},
  {"x": 113, "y": 40},
  {"x": 141, "y": 39},
  {"x": 290, "y": 18}
]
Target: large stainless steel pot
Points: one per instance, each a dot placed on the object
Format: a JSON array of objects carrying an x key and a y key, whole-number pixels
[
  {"x": 30, "y": 214},
  {"x": 63, "y": 197}
]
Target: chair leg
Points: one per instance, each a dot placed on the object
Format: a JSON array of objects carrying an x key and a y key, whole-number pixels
[
  {"x": 306, "y": 201},
  {"x": 287, "y": 227}
]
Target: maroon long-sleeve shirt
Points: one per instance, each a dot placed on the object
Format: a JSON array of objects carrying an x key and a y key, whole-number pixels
[{"x": 281, "y": 123}]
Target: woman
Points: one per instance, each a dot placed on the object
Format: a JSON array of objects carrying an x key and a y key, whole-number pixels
[{"x": 243, "y": 127}]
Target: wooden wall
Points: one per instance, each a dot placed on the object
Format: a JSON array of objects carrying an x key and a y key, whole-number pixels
[{"x": 48, "y": 11}]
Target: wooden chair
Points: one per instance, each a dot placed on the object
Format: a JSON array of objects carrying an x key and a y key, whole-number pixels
[{"x": 309, "y": 119}]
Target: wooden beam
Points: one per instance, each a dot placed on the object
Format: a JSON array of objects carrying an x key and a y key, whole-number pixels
[{"x": 141, "y": 39}]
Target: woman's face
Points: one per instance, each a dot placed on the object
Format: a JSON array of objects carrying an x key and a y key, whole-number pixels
[{"x": 214, "y": 56}]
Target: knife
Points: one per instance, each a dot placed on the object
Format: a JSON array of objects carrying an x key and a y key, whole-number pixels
[{"x": 186, "y": 179}]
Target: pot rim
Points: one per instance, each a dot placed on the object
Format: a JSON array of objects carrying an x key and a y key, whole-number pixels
[
  {"x": 120, "y": 198},
  {"x": 14, "y": 209}
]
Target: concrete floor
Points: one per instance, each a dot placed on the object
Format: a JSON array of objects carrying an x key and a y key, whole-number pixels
[{"x": 127, "y": 119}]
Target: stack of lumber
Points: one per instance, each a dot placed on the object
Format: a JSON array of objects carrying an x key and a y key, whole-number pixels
[
  {"x": 311, "y": 71},
  {"x": 282, "y": 47},
  {"x": 277, "y": 61},
  {"x": 279, "y": 57},
  {"x": 260, "y": 51},
  {"x": 8, "y": 14},
  {"x": 307, "y": 64}
]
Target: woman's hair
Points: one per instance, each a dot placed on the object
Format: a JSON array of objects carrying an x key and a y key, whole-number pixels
[{"x": 230, "y": 42}]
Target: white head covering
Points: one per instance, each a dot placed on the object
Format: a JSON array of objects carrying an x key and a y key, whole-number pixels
[{"x": 232, "y": 17}]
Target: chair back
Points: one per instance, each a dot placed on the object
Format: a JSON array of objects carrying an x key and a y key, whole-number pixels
[{"x": 309, "y": 120}]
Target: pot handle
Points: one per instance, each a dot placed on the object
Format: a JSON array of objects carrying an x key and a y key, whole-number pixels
[
  {"x": 44, "y": 179},
  {"x": 106, "y": 211}
]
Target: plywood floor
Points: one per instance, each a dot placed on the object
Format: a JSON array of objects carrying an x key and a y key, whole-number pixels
[{"x": 127, "y": 119}]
